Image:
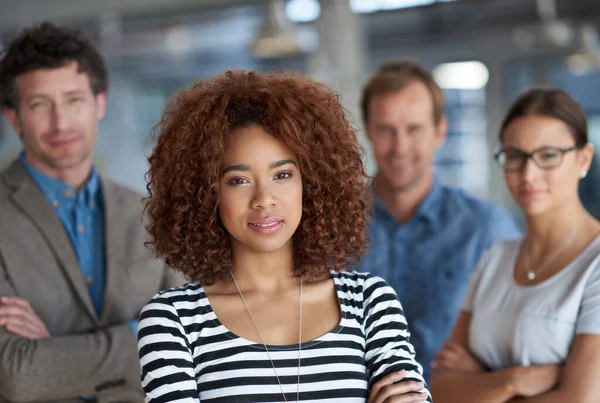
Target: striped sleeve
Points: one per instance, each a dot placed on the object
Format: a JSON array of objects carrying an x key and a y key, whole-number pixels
[
  {"x": 165, "y": 356},
  {"x": 388, "y": 348}
]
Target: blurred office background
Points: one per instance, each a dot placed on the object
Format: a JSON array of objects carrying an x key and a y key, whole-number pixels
[{"x": 483, "y": 53}]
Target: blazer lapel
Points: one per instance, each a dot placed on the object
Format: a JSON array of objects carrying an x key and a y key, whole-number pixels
[
  {"x": 116, "y": 250},
  {"x": 29, "y": 199}
]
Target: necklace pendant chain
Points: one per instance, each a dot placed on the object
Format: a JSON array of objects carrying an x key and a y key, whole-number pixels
[
  {"x": 265, "y": 344},
  {"x": 532, "y": 275}
]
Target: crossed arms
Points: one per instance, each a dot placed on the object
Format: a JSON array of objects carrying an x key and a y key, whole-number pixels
[{"x": 459, "y": 377}]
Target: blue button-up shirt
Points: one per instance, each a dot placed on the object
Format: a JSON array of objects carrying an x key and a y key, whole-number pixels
[
  {"x": 429, "y": 259},
  {"x": 82, "y": 216}
]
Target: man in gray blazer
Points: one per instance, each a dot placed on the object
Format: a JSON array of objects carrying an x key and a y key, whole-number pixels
[{"x": 74, "y": 271}]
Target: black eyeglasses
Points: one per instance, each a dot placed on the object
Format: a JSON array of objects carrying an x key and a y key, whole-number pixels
[{"x": 513, "y": 159}]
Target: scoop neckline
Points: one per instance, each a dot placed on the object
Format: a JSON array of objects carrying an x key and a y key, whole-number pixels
[
  {"x": 553, "y": 278},
  {"x": 283, "y": 347}
]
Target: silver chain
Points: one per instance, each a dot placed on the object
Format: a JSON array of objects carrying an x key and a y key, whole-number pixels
[
  {"x": 265, "y": 344},
  {"x": 532, "y": 275}
]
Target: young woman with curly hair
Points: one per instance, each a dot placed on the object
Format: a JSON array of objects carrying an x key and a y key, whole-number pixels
[{"x": 259, "y": 196}]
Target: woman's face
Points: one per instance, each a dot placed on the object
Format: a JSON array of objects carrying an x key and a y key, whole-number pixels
[
  {"x": 260, "y": 192},
  {"x": 535, "y": 189}
]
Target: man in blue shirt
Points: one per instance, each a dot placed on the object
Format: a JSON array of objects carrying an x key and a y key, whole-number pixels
[
  {"x": 426, "y": 238},
  {"x": 74, "y": 270}
]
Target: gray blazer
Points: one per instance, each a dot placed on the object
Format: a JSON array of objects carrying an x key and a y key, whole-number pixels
[{"x": 87, "y": 354}]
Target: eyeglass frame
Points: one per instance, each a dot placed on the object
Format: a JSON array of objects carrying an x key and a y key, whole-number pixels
[{"x": 528, "y": 156}]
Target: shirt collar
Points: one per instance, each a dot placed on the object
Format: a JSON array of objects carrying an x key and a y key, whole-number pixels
[
  {"x": 430, "y": 206},
  {"x": 59, "y": 193},
  {"x": 428, "y": 209}
]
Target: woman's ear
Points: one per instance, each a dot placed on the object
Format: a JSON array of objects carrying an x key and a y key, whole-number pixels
[{"x": 586, "y": 155}]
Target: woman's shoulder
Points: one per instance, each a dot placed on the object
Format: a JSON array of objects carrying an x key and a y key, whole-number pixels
[
  {"x": 360, "y": 283},
  {"x": 501, "y": 249},
  {"x": 589, "y": 259},
  {"x": 354, "y": 277},
  {"x": 187, "y": 298},
  {"x": 184, "y": 291}
]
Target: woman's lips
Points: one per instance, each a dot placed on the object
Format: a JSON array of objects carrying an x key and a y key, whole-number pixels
[
  {"x": 267, "y": 225},
  {"x": 531, "y": 193}
]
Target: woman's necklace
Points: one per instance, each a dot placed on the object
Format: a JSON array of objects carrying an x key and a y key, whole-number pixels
[
  {"x": 265, "y": 344},
  {"x": 532, "y": 275}
]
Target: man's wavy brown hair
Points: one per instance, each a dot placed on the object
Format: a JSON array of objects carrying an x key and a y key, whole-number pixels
[{"x": 186, "y": 164}]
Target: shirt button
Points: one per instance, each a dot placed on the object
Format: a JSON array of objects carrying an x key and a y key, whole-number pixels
[
  {"x": 55, "y": 203},
  {"x": 448, "y": 274},
  {"x": 80, "y": 229},
  {"x": 89, "y": 280},
  {"x": 68, "y": 193}
]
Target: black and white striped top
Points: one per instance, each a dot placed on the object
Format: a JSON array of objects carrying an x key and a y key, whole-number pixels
[{"x": 187, "y": 355}]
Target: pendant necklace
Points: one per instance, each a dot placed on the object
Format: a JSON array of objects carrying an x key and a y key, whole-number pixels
[
  {"x": 265, "y": 344},
  {"x": 531, "y": 274}
]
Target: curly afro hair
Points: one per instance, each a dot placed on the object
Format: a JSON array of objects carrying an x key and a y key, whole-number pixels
[{"x": 186, "y": 164}]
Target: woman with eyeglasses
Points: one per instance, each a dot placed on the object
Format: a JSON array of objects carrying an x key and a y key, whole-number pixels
[{"x": 530, "y": 327}]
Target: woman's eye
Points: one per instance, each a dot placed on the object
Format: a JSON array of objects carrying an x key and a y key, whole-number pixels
[
  {"x": 549, "y": 155},
  {"x": 283, "y": 175},
  {"x": 237, "y": 181},
  {"x": 514, "y": 156}
]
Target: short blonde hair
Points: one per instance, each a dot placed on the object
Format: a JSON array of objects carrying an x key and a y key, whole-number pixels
[{"x": 394, "y": 76}]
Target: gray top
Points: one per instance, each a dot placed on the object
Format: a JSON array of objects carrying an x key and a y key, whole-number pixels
[{"x": 514, "y": 325}]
